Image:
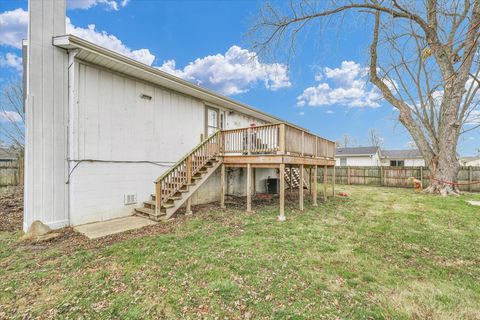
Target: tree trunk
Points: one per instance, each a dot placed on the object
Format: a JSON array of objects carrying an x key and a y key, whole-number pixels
[
  {"x": 443, "y": 175},
  {"x": 444, "y": 165}
]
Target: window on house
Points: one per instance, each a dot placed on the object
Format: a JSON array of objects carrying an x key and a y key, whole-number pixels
[
  {"x": 397, "y": 163},
  {"x": 343, "y": 162}
]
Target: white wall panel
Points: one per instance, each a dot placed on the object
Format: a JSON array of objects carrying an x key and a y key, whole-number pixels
[
  {"x": 46, "y": 194},
  {"x": 116, "y": 124}
]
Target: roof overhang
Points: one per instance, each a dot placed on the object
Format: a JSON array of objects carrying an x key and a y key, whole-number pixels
[{"x": 98, "y": 55}]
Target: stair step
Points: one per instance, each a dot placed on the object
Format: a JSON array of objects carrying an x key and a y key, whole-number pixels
[
  {"x": 146, "y": 211},
  {"x": 150, "y": 203}
]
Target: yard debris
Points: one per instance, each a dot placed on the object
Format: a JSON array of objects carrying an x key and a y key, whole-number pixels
[
  {"x": 474, "y": 203},
  {"x": 11, "y": 208}
]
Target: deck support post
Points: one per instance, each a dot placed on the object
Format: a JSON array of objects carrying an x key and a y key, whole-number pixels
[
  {"x": 249, "y": 187},
  {"x": 281, "y": 216},
  {"x": 310, "y": 191},
  {"x": 314, "y": 191},
  {"x": 300, "y": 188},
  {"x": 222, "y": 186},
  {"x": 325, "y": 183},
  {"x": 188, "y": 210}
]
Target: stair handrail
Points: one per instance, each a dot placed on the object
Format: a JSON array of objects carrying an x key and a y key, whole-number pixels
[
  {"x": 198, "y": 146},
  {"x": 184, "y": 175}
]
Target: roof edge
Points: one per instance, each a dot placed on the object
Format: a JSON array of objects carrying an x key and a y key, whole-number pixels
[{"x": 70, "y": 42}]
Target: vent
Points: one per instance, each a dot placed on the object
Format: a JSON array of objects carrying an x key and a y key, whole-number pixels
[{"x": 130, "y": 199}]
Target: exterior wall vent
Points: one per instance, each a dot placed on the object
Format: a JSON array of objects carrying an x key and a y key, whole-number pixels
[{"x": 130, "y": 199}]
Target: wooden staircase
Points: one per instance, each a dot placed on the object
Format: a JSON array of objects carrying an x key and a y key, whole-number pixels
[
  {"x": 295, "y": 181},
  {"x": 180, "y": 182}
]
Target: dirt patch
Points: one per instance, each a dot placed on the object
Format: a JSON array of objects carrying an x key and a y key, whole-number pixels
[{"x": 11, "y": 209}]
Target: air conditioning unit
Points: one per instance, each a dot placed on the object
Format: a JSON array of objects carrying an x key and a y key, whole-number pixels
[{"x": 130, "y": 199}]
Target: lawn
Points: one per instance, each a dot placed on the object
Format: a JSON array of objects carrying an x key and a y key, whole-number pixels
[{"x": 381, "y": 253}]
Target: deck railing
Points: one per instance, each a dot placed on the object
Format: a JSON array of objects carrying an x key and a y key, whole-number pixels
[
  {"x": 275, "y": 139},
  {"x": 281, "y": 139},
  {"x": 181, "y": 173}
]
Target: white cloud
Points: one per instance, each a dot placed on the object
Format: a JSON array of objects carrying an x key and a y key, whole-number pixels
[
  {"x": 87, "y": 4},
  {"x": 9, "y": 116},
  {"x": 11, "y": 60},
  {"x": 346, "y": 85},
  {"x": 109, "y": 41},
  {"x": 301, "y": 113},
  {"x": 14, "y": 24},
  {"x": 329, "y": 112},
  {"x": 13, "y": 27},
  {"x": 231, "y": 73}
]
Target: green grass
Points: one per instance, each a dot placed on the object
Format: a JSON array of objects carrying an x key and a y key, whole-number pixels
[{"x": 379, "y": 254}]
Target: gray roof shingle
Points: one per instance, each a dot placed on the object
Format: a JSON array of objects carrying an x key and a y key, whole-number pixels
[
  {"x": 402, "y": 154},
  {"x": 356, "y": 151}
]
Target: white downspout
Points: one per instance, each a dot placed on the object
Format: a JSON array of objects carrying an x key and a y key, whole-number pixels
[{"x": 71, "y": 130}]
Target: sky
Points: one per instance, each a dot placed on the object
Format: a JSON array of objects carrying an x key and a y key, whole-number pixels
[{"x": 323, "y": 87}]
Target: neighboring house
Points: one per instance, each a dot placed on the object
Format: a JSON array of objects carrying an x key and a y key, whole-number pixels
[
  {"x": 358, "y": 156},
  {"x": 470, "y": 161},
  {"x": 107, "y": 135},
  {"x": 374, "y": 156},
  {"x": 402, "y": 158},
  {"x": 7, "y": 157}
]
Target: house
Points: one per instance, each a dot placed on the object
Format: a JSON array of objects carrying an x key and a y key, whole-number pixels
[
  {"x": 107, "y": 136},
  {"x": 374, "y": 156},
  {"x": 358, "y": 156},
  {"x": 402, "y": 158},
  {"x": 470, "y": 161}
]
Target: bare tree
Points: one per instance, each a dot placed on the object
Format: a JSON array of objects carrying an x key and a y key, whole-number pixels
[
  {"x": 423, "y": 59},
  {"x": 12, "y": 117},
  {"x": 346, "y": 141},
  {"x": 375, "y": 138}
]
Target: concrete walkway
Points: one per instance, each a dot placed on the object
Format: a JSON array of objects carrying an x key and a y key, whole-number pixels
[{"x": 104, "y": 228}]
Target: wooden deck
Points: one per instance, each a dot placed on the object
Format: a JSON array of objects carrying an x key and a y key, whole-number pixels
[
  {"x": 278, "y": 146},
  {"x": 271, "y": 145}
]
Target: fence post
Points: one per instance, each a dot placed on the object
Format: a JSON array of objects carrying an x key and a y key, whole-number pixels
[
  {"x": 421, "y": 175},
  {"x": 348, "y": 175},
  {"x": 469, "y": 179},
  {"x": 382, "y": 174}
]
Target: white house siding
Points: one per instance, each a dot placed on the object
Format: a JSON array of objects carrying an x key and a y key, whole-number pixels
[
  {"x": 360, "y": 161},
  {"x": 46, "y": 194},
  {"x": 115, "y": 129},
  {"x": 115, "y": 124},
  {"x": 414, "y": 162}
]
